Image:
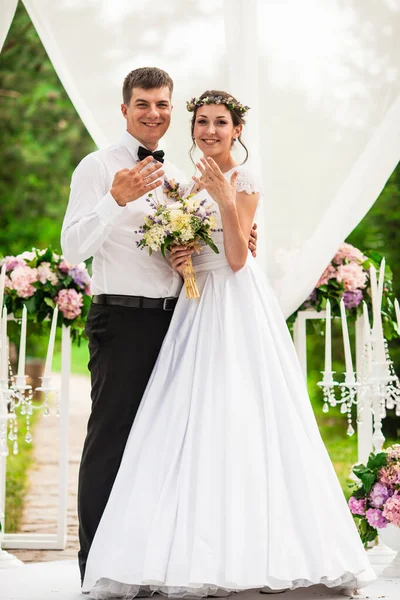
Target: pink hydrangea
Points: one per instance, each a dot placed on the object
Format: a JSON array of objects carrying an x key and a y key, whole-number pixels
[
  {"x": 70, "y": 303},
  {"x": 46, "y": 274},
  {"x": 22, "y": 278},
  {"x": 390, "y": 476},
  {"x": 12, "y": 262},
  {"x": 27, "y": 255},
  {"x": 356, "y": 506},
  {"x": 393, "y": 453},
  {"x": 391, "y": 511},
  {"x": 64, "y": 266},
  {"x": 8, "y": 283},
  {"x": 349, "y": 252},
  {"x": 329, "y": 273},
  {"x": 352, "y": 275}
]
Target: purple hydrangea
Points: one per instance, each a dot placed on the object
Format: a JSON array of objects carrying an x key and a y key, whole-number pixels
[
  {"x": 80, "y": 276},
  {"x": 379, "y": 494},
  {"x": 375, "y": 518},
  {"x": 352, "y": 299},
  {"x": 356, "y": 506}
]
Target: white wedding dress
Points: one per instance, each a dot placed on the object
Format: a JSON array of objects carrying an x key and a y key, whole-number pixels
[{"x": 225, "y": 481}]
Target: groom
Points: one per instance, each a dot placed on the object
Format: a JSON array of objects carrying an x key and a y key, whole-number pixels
[{"x": 134, "y": 294}]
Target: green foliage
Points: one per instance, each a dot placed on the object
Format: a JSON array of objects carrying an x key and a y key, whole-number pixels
[{"x": 43, "y": 139}]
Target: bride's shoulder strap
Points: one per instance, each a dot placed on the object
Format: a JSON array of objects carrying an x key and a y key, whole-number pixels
[{"x": 247, "y": 182}]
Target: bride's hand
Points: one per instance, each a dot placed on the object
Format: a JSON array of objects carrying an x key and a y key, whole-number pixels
[
  {"x": 179, "y": 256},
  {"x": 212, "y": 179}
]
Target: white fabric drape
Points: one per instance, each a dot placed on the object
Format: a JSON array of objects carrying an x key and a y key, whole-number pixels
[
  {"x": 7, "y": 12},
  {"x": 321, "y": 77}
]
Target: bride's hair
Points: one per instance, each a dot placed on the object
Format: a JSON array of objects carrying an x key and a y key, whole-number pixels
[{"x": 237, "y": 119}]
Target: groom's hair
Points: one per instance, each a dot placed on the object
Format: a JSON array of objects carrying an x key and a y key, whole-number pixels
[{"x": 146, "y": 78}]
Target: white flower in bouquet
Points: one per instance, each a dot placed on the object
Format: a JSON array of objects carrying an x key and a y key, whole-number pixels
[{"x": 184, "y": 221}]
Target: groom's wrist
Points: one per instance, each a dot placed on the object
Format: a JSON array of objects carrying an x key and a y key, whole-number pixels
[{"x": 117, "y": 198}]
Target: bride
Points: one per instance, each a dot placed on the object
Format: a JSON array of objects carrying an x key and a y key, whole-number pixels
[{"x": 225, "y": 484}]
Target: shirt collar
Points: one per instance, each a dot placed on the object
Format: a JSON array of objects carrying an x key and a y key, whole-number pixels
[{"x": 132, "y": 144}]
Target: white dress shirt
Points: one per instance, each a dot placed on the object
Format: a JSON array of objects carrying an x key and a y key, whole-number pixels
[{"x": 95, "y": 225}]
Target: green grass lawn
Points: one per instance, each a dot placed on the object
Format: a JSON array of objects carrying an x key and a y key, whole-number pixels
[
  {"x": 79, "y": 358},
  {"x": 18, "y": 466}
]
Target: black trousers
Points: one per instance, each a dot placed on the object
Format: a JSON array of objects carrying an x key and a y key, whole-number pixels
[{"x": 124, "y": 344}]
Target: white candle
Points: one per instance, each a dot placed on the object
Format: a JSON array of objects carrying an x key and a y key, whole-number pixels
[
  {"x": 367, "y": 336},
  {"x": 380, "y": 284},
  {"x": 50, "y": 349},
  {"x": 328, "y": 342},
  {"x": 2, "y": 284},
  {"x": 4, "y": 348},
  {"x": 22, "y": 349},
  {"x": 397, "y": 309},
  {"x": 374, "y": 291},
  {"x": 346, "y": 344}
]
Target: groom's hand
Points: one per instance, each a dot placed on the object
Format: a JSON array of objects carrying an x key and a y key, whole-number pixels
[
  {"x": 131, "y": 184},
  {"x": 253, "y": 240}
]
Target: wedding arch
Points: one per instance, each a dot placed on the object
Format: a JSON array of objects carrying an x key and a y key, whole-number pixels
[{"x": 322, "y": 80}]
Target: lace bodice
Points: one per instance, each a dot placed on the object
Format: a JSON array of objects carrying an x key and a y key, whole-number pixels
[
  {"x": 207, "y": 259},
  {"x": 245, "y": 181}
]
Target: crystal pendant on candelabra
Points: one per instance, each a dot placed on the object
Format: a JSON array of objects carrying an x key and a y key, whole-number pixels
[
  {"x": 348, "y": 399},
  {"x": 328, "y": 389}
]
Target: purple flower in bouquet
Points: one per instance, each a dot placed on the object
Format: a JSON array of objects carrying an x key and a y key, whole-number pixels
[
  {"x": 352, "y": 299},
  {"x": 375, "y": 518},
  {"x": 379, "y": 494},
  {"x": 22, "y": 277},
  {"x": 352, "y": 275},
  {"x": 390, "y": 476},
  {"x": 12, "y": 262},
  {"x": 70, "y": 303},
  {"x": 348, "y": 252},
  {"x": 356, "y": 506},
  {"x": 80, "y": 276},
  {"x": 391, "y": 510}
]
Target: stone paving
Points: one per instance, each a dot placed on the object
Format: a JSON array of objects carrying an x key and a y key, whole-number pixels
[{"x": 41, "y": 501}]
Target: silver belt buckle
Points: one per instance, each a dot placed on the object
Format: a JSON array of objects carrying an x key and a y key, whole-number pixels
[{"x": 165, "y": 307}]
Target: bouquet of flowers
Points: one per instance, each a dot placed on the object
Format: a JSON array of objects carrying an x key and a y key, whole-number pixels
[
  {"x": 179, "y": 221},
  {"x": 347, "y": 276},
  {"x": 42, "y": 279},
  {"x": 376, "y": 502}
]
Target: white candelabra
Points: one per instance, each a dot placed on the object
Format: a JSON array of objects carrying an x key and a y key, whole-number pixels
[
  {"x": 375, "y": 385},
  {"x": 17, "y": 399},
  {"x": 16, "y": 395}
]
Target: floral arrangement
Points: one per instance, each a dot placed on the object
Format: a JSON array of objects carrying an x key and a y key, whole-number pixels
[
  {"x": 230, "y": 103},
  {"x": 184, "y": 221},
  {"x": 41, "y": 280},
  {"x": 376, "y": 502},
  {"x": 347, "y": 276}
]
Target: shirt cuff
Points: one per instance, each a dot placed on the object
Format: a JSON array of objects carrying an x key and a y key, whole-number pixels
[{"x": 108, "y": 209}]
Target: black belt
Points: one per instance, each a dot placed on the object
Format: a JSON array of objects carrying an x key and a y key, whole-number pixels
[{"x": 135, "y": 301}]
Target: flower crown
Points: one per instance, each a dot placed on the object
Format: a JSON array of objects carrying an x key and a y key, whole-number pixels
[{"x": 230, "y": 103}]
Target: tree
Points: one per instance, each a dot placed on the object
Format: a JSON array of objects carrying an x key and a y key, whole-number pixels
[{"x": 43, "y": 141}]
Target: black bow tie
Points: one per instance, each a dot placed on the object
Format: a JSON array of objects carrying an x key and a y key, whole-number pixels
[{"x": 157, "y": 155}]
